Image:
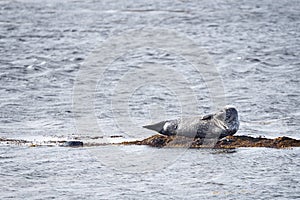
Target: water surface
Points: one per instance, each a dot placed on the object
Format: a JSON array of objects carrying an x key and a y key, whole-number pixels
[{"x": 43, "y": 45}]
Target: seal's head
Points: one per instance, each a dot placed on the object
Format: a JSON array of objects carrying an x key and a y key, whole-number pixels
[
  {"x": 231, "y": 119},
  {"x": 227, "y": 118}
]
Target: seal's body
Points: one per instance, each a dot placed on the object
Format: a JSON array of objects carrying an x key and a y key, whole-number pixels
[{"x": 218, "y": 125}]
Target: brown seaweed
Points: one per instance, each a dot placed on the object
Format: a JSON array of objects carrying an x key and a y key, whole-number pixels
[{"x": 225, "y": 143}]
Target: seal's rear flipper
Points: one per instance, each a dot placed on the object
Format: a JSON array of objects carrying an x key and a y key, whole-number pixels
[{"x": 158, "y": 127}]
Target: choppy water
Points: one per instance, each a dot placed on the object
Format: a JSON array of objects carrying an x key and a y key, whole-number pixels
[{"x": 44, "y": 45}]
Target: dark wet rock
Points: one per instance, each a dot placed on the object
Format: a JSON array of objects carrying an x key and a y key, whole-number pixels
[
  {"x": 13, "y": 141},
  {"x": 226, "y": 143},
  {"x": 72, "y": 144},
  {"x": 116, "y": 136}
]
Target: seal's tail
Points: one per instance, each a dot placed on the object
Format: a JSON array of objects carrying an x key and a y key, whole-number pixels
[{"x": 158, "y": 127}]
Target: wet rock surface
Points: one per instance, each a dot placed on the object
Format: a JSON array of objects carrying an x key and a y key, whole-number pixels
[
  {"x": 159, "y": 141},
  {"x": 226, "y": 143}
]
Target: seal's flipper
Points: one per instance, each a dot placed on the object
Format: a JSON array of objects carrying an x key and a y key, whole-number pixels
[
  {"x": 207, "y": 117},
  {"x": 158, "y": 127}
]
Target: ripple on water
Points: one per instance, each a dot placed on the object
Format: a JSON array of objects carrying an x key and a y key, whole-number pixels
[{"x": 43, "y": 45}]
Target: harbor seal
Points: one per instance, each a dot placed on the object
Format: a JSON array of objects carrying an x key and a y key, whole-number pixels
[{"x": 218, "y": 125}]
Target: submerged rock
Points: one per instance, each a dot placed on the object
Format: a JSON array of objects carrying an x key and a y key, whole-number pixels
[
  {"x": 72, "y": 144},
  {"x": 226, "y": 143}
]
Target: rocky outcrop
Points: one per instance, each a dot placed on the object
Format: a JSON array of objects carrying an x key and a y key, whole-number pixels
[
  {"x": 228, "y": 142},
  {"x": 159, "y": 141}
]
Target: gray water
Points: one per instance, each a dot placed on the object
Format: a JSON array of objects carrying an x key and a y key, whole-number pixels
[{"x": 44, "y": 46}]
